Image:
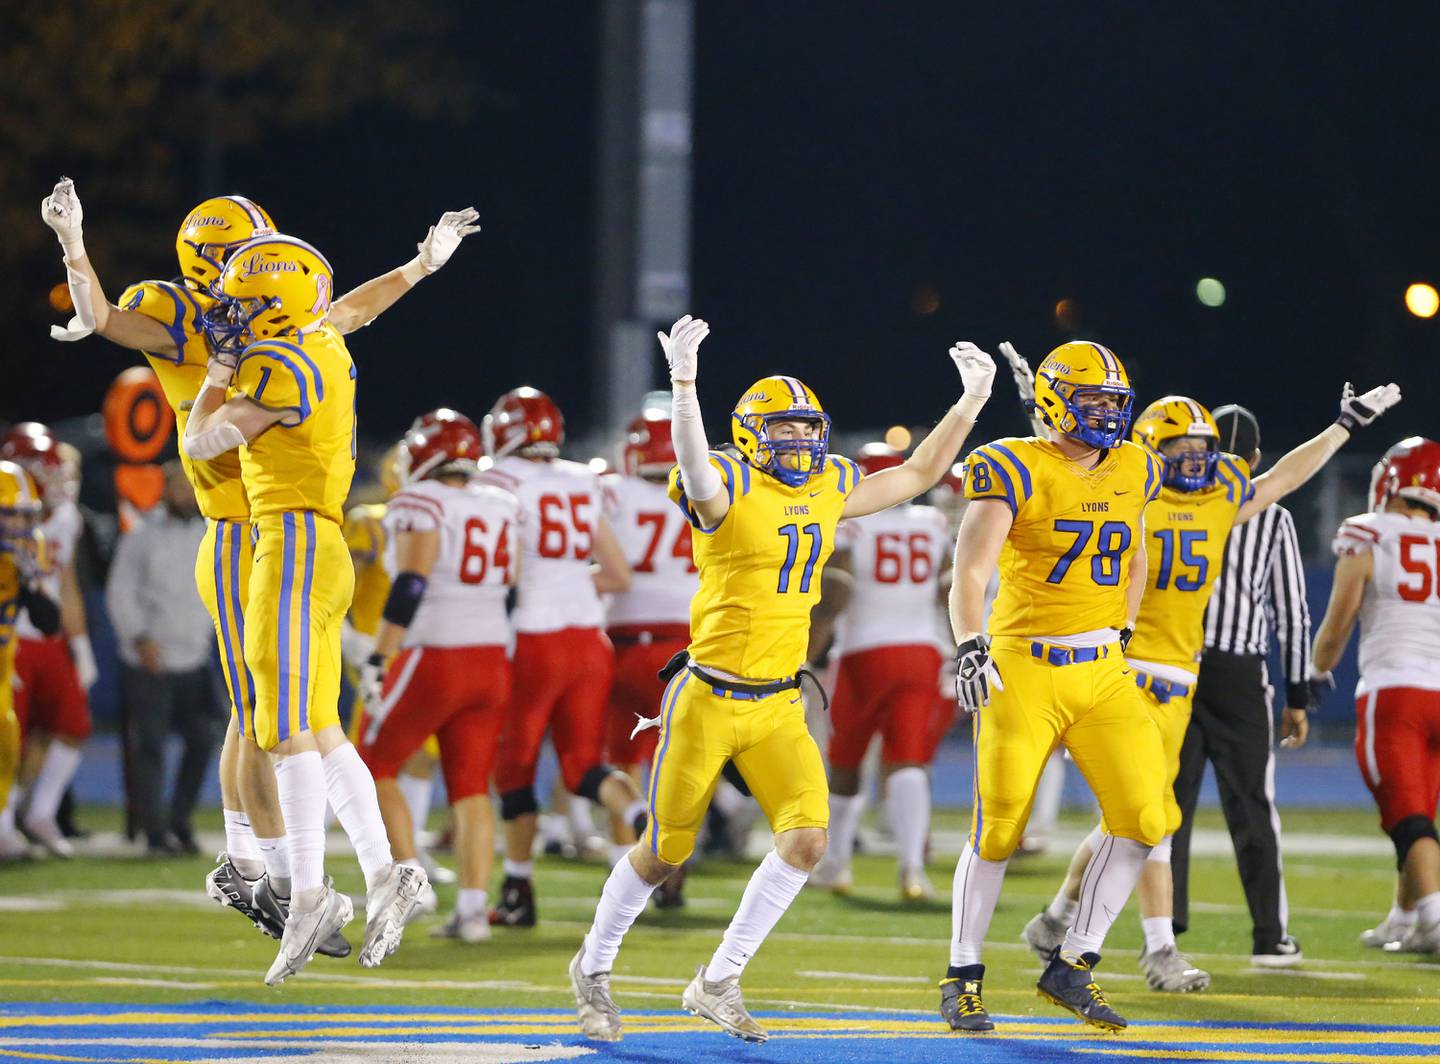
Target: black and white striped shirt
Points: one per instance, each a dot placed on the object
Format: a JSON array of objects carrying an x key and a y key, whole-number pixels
[{"x": 1263, "y": 582}]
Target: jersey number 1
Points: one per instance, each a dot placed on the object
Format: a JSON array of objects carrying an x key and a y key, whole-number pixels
[{"x": 791, "y": 534}]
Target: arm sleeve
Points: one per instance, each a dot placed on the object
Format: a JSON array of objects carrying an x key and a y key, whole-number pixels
[
  {"x": 122, "y": 590},
  {"x": 692, "y": 451},
  {"x": 280, "y": 376},
  {"x": 1292, "y": 613}
]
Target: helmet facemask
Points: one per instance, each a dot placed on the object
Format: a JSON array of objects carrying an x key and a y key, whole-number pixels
[
  {"x": 1190, "y": 469},
  {"x": 792, "y": 461},
  {"x": 1092, "y": 425},
  {"x": 227, "y": 324}
]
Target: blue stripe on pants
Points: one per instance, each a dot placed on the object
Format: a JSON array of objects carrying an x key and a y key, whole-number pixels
[{"x": 666, "y": 712}]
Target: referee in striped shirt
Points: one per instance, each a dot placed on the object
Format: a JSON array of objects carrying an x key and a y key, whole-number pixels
[{"x": 1231, "y": 725}]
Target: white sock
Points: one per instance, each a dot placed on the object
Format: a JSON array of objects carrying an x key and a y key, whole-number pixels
[
  {"x": 1159, "y": 932},
  {"x": 241, "y": 846},
  {"x": 1427, "y": 910},
  {"x": 622, "y": 900},
  {"x": 845, "y": 810},
  {"x": 351, "y": 790},
  {"x": 300, "y": 779},
  {"x": 1109, "y": 879},
  {"x": 577, "y": 814},
  {"x": 417, "y": 792},
  {"x": 974, "y": 893},
  {"x": 1062, "y": 907},
  {"x": 634, "y": 809},
  {"x": 907, "y": 801},
  {"x": 56, "y": 772},
  {"x": 276, "y": 854},
  {"x": 768, "y": 894},
  {"x": 620, "y": 850},
  {"x": 472, "y": 902},
  {"x": 519, "y": 869}
]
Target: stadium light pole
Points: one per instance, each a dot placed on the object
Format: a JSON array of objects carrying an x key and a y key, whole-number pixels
[{"x": 643, "y": 235}]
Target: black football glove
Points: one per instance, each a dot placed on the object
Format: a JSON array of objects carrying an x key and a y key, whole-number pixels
[{"x": 975, "y": 672}]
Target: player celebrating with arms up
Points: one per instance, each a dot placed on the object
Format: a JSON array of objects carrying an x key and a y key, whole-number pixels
[{"x": 765, "y": 527}]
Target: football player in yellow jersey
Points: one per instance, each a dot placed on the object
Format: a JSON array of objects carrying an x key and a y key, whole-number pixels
[
  {"x": 281, "y": 387},
  {"x": 19, "y": 517},
  {"x": 163, "y": 320},
  {"x": 1204, "y": 494},
  {"x": 765, "y": 526}
]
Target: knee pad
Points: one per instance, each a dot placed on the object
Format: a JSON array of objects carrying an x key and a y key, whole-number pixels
[
  {"x": 733, "y": 777},
  {"x": 1161, "y": 851},
  {"x": 1407, "y": 833},
  {"x": 1151, "y": 824},
  {"x": 998, "y": 840},
  {"x": 590, "y": 782},
  {"x": 517, "y": 803}
]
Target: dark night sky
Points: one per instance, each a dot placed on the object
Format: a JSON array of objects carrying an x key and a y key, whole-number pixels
[{"x": 846, "y": 154}]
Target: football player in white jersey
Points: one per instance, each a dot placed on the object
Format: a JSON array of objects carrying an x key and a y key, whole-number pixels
[
  {"x": 888, "y": 645},
  {"x": 1387, "y": 574},
  {"x": 54, "y": 673},
  {"x": 439, "y": 666},
  {"x": 649, "y": 623},
  {"x": 563, "y": 663}
]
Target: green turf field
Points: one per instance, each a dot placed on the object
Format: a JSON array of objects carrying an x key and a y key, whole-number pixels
[{"x": 131, "y": 930}]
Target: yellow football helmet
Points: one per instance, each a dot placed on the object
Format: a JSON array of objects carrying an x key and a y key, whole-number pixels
[
  {"x": 271, "y": 286},
  {"x": 19, "y": 504},
  {"x": 773, "y": 399},
  {"x": 1074, "y": 373},
  {"x": 1176, "y": 418},
  {"x": 214, "y": 229}
]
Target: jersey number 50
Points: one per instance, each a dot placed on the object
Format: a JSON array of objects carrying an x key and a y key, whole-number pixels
[{"x": 1111, "y": 541}]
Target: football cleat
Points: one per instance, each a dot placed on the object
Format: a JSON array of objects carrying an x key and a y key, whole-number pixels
[
  {"x": 272, "y": 911},
  {"x": 227, "y": 886},
  {"x": 1284, "y": 954},
  {"x": 516, "y": 907},
  {"x": 915, "y": 885},
  {"x": 835, "y": 877},
  {"x": 1386, "y": 932},
  {"x": 722, "y": 1003},
  {"x": 1044, "y": 934},
  {"x": 1421, "y": 940},
  {"x": 304, "y": 931},
  {"x": 961, "y": 1005},
  {"x": 14, "y": 846},
  {"x": 469, "y": 929},
  {"x": 389, "y": 905},
  {"x": 599, "y": 1015},
  {"x": 429, "y": 903},
  {"x": 1069, "y": 981},
  {"x": 1170, "y": 970},
  {"x": 47, "y": 835}
]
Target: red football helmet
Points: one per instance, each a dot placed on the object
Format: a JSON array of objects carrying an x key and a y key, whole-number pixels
[
  {"x": 30, "y": 445},
  {"x": 524, "y": 420},
  {"x": 434, "y": 417},
  {"x": 649, "y": 448},
  {"x": 450, "y": 446},
  {"x": 874, "y": 457},
  {"x": 1410, "y": 470}
]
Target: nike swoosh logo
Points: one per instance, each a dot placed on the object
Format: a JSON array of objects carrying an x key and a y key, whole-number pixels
[
  {"x": 1122, "y": 492},
  {"x": 813, "y": 494}
]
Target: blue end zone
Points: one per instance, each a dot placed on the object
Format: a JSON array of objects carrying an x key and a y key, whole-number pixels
[{"x": 229, "y": 1031}]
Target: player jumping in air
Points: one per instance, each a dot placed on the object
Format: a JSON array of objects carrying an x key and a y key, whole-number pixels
[{"x": 764, "y": 527}]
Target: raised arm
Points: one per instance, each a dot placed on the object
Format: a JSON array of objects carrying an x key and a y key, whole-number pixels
[
  {"x": 363, "y": 304},
  {"x": 1299, "y": 465},
  {"x": 1025, "y": 385},
  {"x": 62, "y": 212},
  {"x": 703, "y": 486},
  {"x": 938, "y": 450}
]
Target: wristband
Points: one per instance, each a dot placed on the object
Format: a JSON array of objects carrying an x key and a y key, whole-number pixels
[
  {"x": 403, "y": 600},
  {"x": 414, "y": 271},
  {"x": 969, "y": 406}
]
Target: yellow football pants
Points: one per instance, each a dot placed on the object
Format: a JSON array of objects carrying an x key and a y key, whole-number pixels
[
  {"x": 9, "y": 733},
  {"x": 1095, "y": 710},
  {"x": 700, "y": 729},
  {"x": 300, "y": 589},
  {"x": 1172, "y": 717},
  {"x": 222, "y": 576}
]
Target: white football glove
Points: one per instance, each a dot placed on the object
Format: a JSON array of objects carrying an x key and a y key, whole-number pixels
[
  {"x": 975, "y": 674},
  {"x": 372, "y": 691},
  {"x": 1359, "y": 410},
  {"x": 1020, "y": 370},
  {"x": 62, "y": 212},
  {"x": 682, "y": 347},
  {"x": 977, "y": 369},
  {"x": 83, "y": 656},
  {"x": 445, "y": 236},
  {"x": 355, "y": 645}
]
